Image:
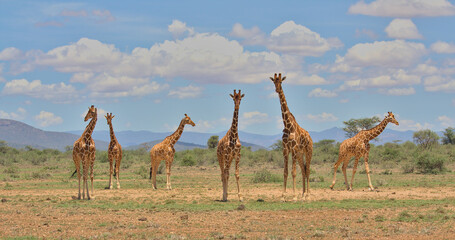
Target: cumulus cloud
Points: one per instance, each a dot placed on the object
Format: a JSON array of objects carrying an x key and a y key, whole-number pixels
[
  {"x": 398, "y": 78},
  {"x": 404, "y": 8},
  {"x": 438, "y": 83},
  {"x": 10, "y": 53},
  {"x": 395, "y": 54},
  {"x": 254, "y": 117},
  {"x": 288, "y": 38},
  {"x": 319, "y": 92},
  {"x": 446, "y": 121},
  {"x": 178, "y": 29},
  {"x": 402, "y": 29},
  {"x": 412, "y": 125},
  {"x": 443, "y": 47},
  {"x": 46, "y": 119},
  {"x": 398, "y": 91},
  {"x": 186, "y": 92},
  {"x": 18, "y": 115},
  {"x": 59, "y": 93},
  {"x": 323, "y": 117}
]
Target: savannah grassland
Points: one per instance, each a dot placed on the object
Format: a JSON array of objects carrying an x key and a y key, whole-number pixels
[{"x": 415, "y": 197}]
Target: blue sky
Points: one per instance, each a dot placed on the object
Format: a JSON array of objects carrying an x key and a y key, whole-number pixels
[{"x": 149, "y": 62}]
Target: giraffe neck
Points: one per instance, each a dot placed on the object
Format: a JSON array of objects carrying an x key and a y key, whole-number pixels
[
  {"x": 235, "y": 120},
  {"x": 111, "y": 131},
  {"x": 176, "y": 135},
  {"x": 286, "y": 114},
  {"x": 89, "y": 129},
  {"x": 374, "y": 132}
]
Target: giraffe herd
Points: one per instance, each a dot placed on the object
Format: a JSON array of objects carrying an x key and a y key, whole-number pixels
[{"x": 296, "y": 141}]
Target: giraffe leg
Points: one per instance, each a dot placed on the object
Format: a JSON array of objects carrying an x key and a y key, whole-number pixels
[
  {"x": 117, "y": 170},
  {"x": 345, "y": 165},
  {"x": 111, "y": 170},
  {"x": 294, "y": 173},
  {"x": 303, "y": 170},
  {"x": 79, "y": 181},
  {"x": 237, "y": 175},
  {"x": 367, "y": 168},
  {"x": 168, "y": 173},
  {"x": 285, "y": 175},
  {"x": 308, "y": 155},
  {"x": 92, "y": 163},
  {"x": 335, "y": 168},
  {"x": 226, "y": 177},
  {"x": 357, "y": 158}
]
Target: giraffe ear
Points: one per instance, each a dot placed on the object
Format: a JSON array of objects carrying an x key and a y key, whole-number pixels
[
  {"x": 186, "y": 115},
  {"x": 105, "y": 116},
  {"x": 112, "y": 115},
  {"x": 283, "y": 79},
  {"x": 271, "y": 78},
  {"x": 243, "y": 95},
  {"x": 232, "y": 96}
]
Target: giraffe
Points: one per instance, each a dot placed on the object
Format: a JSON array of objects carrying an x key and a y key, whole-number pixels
[
  {"x": 296, "y": 141},
  {"x": 165, "y": 151},
  {"x": 358, "y": 147},
  {"x": 114, "y": 152},
  {"x": 84, "y": 153},
  {"x": 229, "y": 148}
]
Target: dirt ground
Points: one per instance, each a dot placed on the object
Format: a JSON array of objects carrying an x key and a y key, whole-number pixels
[{"x": 28, "y": 212}]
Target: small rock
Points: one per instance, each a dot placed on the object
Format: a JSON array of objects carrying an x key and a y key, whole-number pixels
[
  {"x": 394, "y": 193},
  {"x": 143, "y": 219},
  {"x": 241, "y": 207},
  {"x": 184, "y": 217},
  {"x": 4, "y": 200}
]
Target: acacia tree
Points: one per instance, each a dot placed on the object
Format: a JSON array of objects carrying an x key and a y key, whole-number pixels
[
  {"x": 449, "y": 136},
  {"x": 277, "y": 146},
  {"x": 426, "y": 139},
  {"x": 353, "y": 126},
  {"x": 212, "y": 142}
]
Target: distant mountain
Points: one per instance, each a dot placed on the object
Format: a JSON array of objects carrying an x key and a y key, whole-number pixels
[
  {"x": 179, "y": 146},
  {"x": 19, "y": 135}
]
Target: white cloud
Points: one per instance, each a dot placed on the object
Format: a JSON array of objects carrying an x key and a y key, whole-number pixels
[
  {"x": 46, "y": 119},
  {"x": 206, "y": 126},
  {"x": 402, "y": 29},
  {"x": 412, "y": 125},
  {"x": 398, "y": 91},
  {"x": 18, "y": 115},
  {"x": 319, "y": 92},
  {"x": 395, "y": 54},
  {"x": 99, "y": 111},
  {"x": 254, "y": 117},
  {"x": 292, "y": 38},
  {"x": 2, "y": 79},
  {"x": 323, "y": 117},
  {"x": 11, "y": 53},
  {"x": 438, "y": 83},
  {"x": 59, "y": 93},
  {"x": 103, "y": 15},
  {"x": 446, "y": 121},
  {"x": 443, "y": 47},
  {"x": 178, "y": 29},
  {"x": 288, "y": 38},
  {"x": 425, "y": 69},
  {"x": 186, "y": 92},
  {"x": 253, "y": 36},
  {"x": 404, "y": 8},
  {"x": 397, "y": 78}
]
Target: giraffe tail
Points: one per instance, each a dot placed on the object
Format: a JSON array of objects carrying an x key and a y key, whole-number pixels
[
  {"x": 115, "y": 167},
  {"x": 150, "y": 173},
  {"x": 75, "y": 171}
]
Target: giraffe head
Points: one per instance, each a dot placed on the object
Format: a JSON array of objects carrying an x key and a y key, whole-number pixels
[
  {"x": 277, "y": 80},
  {"x": 391, "y": 118},
  {"x": 237, "y": 97},
  {"x": 187, "y": 120},
  {"x": 109, "y": 118},
  {"x": 91, "y": 113}
]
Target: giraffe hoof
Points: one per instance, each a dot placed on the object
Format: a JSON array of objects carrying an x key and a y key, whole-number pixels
[{"x": 371, "y": 189}]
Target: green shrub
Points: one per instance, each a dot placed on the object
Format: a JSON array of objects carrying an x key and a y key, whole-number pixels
[
  {"x": 265, "y": 176},
  {"x": 188, "y": 161},
  {"x": 428, "y": 163},
  {"x": 408, "y": 168},
  {"x": 11, "y": 170}
]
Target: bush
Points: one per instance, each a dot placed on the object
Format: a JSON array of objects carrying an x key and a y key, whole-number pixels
[
  {"x": 430, "y": 164},
  {"x": 188, "y": 161},
  {"x": 265, "y": 176},
  {"x": 408, "y": 168}
]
